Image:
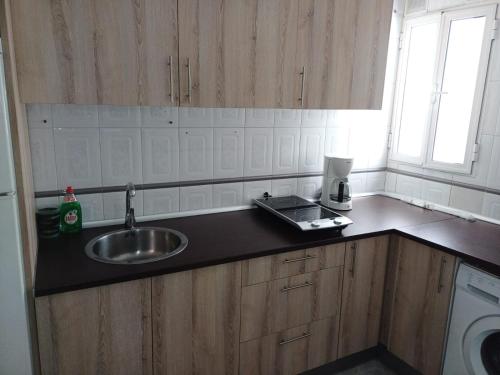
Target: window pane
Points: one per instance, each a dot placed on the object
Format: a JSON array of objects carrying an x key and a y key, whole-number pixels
[
  {"x": 418, "y": 83},
  {"x": 459, "y": 85}
]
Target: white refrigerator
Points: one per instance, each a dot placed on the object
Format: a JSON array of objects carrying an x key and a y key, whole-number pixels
[{"x": 15, "y": 349}]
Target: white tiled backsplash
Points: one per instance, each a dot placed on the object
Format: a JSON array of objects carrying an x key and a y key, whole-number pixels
[{"x": 94, "y": 146}]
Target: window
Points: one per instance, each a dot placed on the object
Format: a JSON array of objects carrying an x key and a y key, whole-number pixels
[{"x": 440, "y": 85}]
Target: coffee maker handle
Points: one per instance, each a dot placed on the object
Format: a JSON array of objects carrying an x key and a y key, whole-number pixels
[{"x": 340, "y": 196}]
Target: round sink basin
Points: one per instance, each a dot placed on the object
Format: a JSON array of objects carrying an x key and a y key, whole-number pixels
[{"x": 136, "y": 246}]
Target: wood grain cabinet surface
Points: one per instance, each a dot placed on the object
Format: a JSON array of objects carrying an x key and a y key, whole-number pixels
[
  {"x": 104, "y": 330},
  {"x": 289, "y": 302},
  {"x": 279, "y": 314},
  {"x": 203, "y": 53},
  {"x": 97, "y": 51},
  {"x": 292, "y": 351},
  {"x": 420, "y": 297},
  {"x": 196, "y": 321},
  {"x": 343, "y": 46},
  {"x": 238, "y": 53},
  {"x": 258, "y": 270},
  {"x": 362, "y": 294}
]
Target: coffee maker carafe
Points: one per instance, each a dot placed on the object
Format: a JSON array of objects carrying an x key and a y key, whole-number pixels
[{"x": 336, "y": 192}]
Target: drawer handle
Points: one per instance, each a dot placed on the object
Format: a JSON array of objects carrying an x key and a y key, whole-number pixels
[
  {"x": 303, "y": 78},
  {"x": 303, "y": 336},
  {"x": 288, "y": 288},
  {"x": 441, "y": 271},
  {"x": 170, "y": 65},
  {"x": 354, "y": 248},
  {"x": 307, "y": 257},
  {"x": 189, "y": 95}
]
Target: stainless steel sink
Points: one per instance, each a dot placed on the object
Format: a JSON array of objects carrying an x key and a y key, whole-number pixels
[{"x": 136, "y": 246}]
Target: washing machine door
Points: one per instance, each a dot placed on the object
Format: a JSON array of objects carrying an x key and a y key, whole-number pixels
[{"x": 481, "y": 346}]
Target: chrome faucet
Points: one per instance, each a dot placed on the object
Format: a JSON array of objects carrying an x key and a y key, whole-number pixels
[{"x": 129, "y": 211}]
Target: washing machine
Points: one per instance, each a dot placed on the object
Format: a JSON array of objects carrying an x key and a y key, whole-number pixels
[{"x": 473, "y": 345}]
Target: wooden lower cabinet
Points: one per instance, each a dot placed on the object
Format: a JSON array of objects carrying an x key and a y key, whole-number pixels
[
  {"x": 289, "y": 302},
  {"x": 281, "y": 314},
  {"x": 104, "y": 330},
  {"x": 420, "y": 297},
  {"x": 362, "y": 294},
  {"x": 196, "y": 321},
  {"x": 291, "y": 351}
]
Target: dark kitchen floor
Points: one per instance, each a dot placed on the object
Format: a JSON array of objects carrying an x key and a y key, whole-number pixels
[{"x": 373, "y": 367}]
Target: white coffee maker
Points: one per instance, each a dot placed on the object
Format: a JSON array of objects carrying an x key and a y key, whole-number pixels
[{"x": 336, "y": 192}]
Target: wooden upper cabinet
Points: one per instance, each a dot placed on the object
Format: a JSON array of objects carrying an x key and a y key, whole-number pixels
[
  {"x": 53, "y": 41},
  {"x": 342, "y": 46},
  {"x": 203, "y": 53},
  {"x": 238, "y": 53},
  {"x": 421, "y": 294},
  {"x": 104, "y": 330},
  {"x": 135, "y": 41},
  {"x": 363, "y": 293},
  {"x": 97, "y": 51}
]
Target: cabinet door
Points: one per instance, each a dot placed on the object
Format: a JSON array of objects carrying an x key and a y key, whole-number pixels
[
  {"x": 362, "y": 294},
  {"x": 99, "y": 330},
  {"x": 54, "y": 46},
  {"x": 238, "y": 53},
  {"x": 196, "y": 321},
  {"x": 97, "y": 52},
  {"x": 134, "y": 43},
  {"x": 292, "y": 351},
  {"x": 343, "y": 50},
  {"x": 422, "y": 292}
]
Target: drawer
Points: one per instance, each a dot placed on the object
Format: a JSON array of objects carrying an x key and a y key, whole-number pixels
[
  {"x": 289, "y": 302},
  {"x": 277, "y": 266},
  {"x": 291, "y": 351}
]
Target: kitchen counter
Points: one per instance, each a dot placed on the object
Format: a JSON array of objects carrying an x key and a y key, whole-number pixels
[{"x": 226, "y": 237}]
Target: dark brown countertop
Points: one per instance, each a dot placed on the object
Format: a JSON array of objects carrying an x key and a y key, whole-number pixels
[
  {"x": 225, "y": 237},
  {"x": 476, "y": 242}
]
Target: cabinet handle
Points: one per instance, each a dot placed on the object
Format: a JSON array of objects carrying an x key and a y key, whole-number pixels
[
  {"x": 307, "y": 257},
  {"x": 354, "y": 248},
  {"x": 303, "y": 78},
  {"x": 303, "y": 336},
  {"x": 190, "y": 86},
  {"x": 171, "y": 79},
  {"x": 288, "y": 288},
  {"x": 441, "y": 271}
]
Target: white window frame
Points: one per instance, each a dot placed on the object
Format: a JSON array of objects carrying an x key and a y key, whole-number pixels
[
  {"x": 400, "y": 88},
  {"x": 426, "y": 155}
]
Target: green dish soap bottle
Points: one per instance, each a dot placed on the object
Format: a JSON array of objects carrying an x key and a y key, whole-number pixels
[{"x": 71, "y": 213}]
